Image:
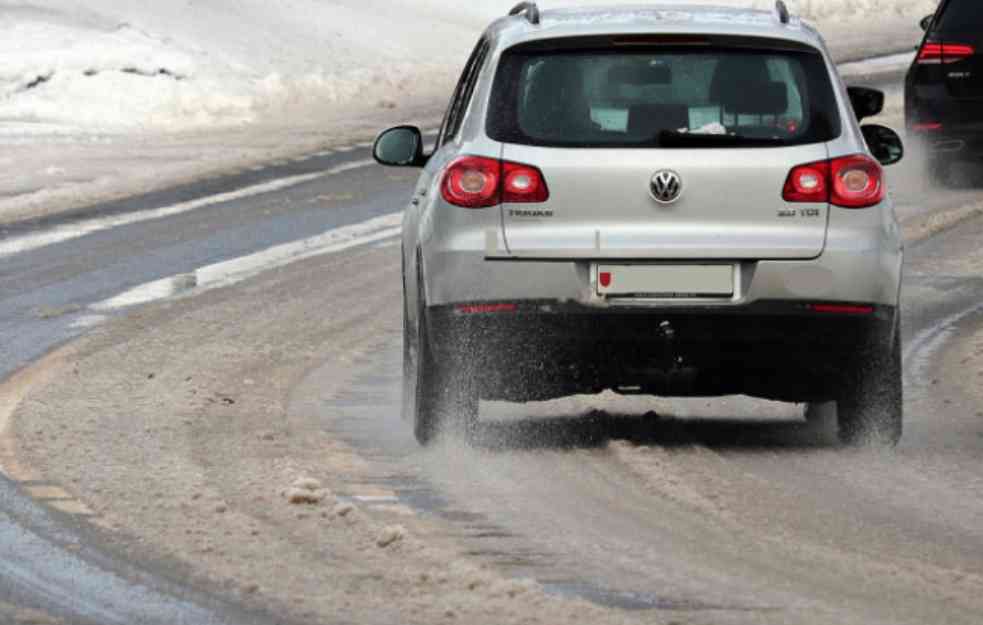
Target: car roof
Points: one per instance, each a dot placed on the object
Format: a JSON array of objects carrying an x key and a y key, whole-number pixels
[{"x": 647, "y": 19}]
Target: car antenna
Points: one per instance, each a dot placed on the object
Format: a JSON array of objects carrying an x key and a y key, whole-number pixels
[
  {"x": 781, "y": 11},
  {"x": 529, "y": 9}
]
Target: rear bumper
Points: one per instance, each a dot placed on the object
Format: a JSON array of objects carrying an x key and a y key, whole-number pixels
[
  {"x": 952, "y": 143},
  {"x": 945, "y": 125},
  {"x": 773, "y": 349},
  {"x": 861, "y": 262}
]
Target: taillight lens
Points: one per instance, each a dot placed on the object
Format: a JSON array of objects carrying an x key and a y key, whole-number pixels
[
  {"x": 480, "y": 182},
  {"x": 848, "y": 182},
  {"x": 523, "y": 184},
  {"x": 472, "y": 182},
  {"x": 933, "y": 53},
  {"x": 808, "y": 183},
  {"x": 858, "y": 182}
]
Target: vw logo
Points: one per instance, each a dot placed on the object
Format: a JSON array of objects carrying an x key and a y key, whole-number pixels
[{"x": 666, "y": 186}]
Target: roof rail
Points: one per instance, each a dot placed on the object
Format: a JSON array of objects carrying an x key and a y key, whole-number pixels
[
  {"x": 529, "y": 9},
  {"x": 781, "y": 11}
]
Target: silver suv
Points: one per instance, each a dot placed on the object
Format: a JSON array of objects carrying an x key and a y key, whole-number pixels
[{"x": 658, "y": 201}]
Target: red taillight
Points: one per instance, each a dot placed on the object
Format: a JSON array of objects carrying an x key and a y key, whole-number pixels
[
  {"x": 858, "y": 182},
  {"x": 848, "y": 182},
  {"x": 480, "y": 182},
  {"x": 523, "y": 184},
  {"x": 808, "y": 183},
  {"x": 938, "y": 53},
  {"x": 472, "y": 182},
  {"x": 927, "y": 127}
]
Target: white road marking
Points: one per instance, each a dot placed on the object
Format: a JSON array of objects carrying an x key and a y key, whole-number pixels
[
  {"x": 376, "y": 499},
  {"x": 67, "y": 232},
  {"x": 232, "y": 271},
  {"x": 87, "y": 321}
]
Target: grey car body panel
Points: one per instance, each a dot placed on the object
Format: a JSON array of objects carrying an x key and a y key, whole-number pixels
[
  {"x": 484, "y": 255},
  {"x": 600, "y": 207}
]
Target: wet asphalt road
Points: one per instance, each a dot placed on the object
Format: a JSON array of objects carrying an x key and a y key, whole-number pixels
[{"x": 47, "y": 564}]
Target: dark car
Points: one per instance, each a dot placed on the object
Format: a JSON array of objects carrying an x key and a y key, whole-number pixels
[{"x": 944, "y": 87}]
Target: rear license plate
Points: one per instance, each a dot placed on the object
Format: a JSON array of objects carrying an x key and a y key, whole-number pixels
[{"x": 670, "y": 281}]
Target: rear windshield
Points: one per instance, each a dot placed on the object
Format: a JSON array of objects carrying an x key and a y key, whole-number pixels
[
  {"x": 961, "y": 16},
  {"x": 705, "y": 97}
]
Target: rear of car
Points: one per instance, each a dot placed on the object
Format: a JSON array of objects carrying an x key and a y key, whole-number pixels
[
  {"x": 944, "y": 89},
  {"x": 679, "y": 210}
]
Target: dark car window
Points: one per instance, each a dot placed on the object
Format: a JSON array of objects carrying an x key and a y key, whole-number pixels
[
  {"x": 462, "y": 94},
  {"x": 961, "y": 15},
  {"x": 663, "y": 98}
]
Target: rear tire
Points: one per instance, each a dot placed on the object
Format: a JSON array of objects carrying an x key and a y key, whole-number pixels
[
  {"x": 439, "y": 382},
  {"x": 871, "y": 407}
]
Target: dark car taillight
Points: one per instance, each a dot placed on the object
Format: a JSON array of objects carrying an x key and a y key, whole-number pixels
[
  {"x": 934, "y": 53},
  {"x": 848, "y": 182},
  {"x": 480, "y": 182}
]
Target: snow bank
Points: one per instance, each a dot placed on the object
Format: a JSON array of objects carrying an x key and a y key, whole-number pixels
[
  {"x": 869, "y": 11},
  {"x": 117, "y": 66}
]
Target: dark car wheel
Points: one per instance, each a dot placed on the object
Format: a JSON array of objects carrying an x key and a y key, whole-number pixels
[
  {"x": 437, "y": 380},
  {"x": 871, "y": 406}
]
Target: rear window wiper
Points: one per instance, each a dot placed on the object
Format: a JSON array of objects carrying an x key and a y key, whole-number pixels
[{"x": 675, "y": 139}]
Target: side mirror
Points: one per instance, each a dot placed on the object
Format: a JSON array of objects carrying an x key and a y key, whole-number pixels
[
  {"x": 866, "y": 102},
  {"x": 884, "y": 143},
  {"x": 401, "y": 146},
  {"x": 926, "y": 22}
]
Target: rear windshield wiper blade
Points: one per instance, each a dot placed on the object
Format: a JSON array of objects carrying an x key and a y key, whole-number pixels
[{"x": 674, "y": 139}]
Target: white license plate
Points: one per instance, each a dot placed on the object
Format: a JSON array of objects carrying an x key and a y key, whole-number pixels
[{"x": 671, "y": 281}]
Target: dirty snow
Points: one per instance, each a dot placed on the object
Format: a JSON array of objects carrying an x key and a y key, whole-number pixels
[{"x": 390, "y": 535}]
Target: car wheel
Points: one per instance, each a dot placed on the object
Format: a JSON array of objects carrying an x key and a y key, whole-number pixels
[
  {"x": 410, "y": 356},
  {"x": 871, "y": 407},
  {"x": 444, "y": 394}
]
